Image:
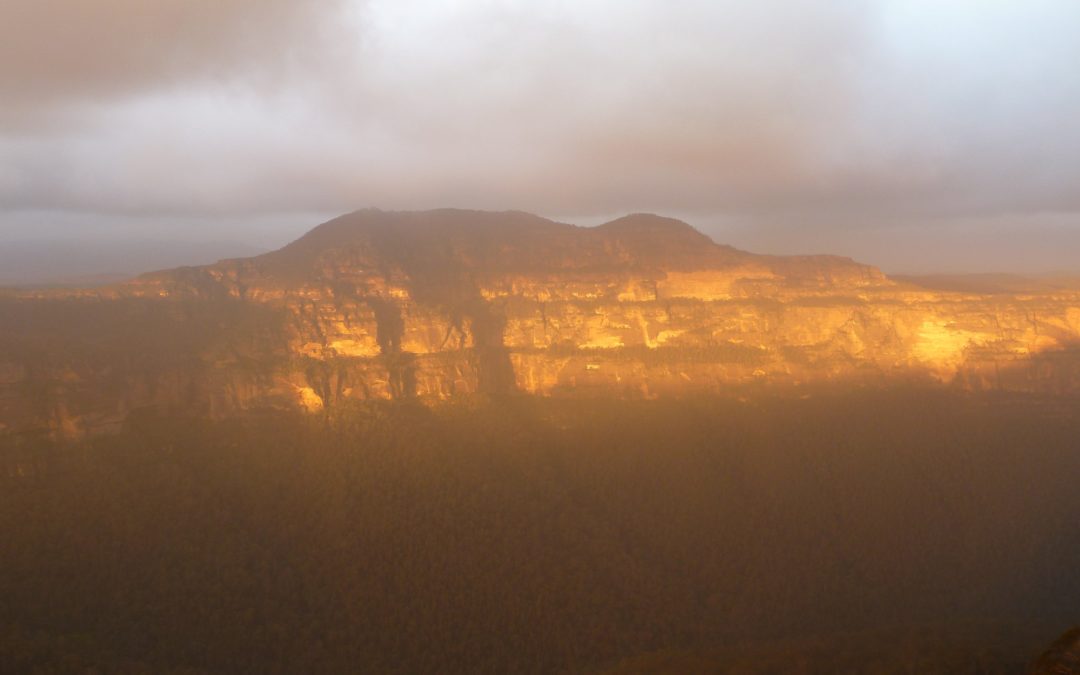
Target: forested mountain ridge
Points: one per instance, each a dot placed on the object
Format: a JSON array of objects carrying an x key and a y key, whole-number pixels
[{"x": 436, "y": 304}]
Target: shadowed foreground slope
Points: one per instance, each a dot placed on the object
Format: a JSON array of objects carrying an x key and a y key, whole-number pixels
[{"x": 903, "y": 530}]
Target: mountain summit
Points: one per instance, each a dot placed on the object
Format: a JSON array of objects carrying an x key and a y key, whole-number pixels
[{"x": 440, "y": 245}]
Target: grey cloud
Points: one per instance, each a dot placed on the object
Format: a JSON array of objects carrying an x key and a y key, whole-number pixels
[
  {"x": 55, "y": 53},
  {"x": 791, "y": 116}
]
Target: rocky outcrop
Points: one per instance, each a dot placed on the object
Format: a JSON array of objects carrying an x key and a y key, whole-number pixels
[
  {"x": 442, "y": 303},
  {"x": 1062, "y": 658}
]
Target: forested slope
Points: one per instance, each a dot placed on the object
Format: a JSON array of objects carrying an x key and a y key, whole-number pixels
[{"x": 529, "y": 535}]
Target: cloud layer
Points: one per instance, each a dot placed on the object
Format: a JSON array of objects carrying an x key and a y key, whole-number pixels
[
  {"x": 56, "y": 52},
  {"x": 818, "y": 120}
]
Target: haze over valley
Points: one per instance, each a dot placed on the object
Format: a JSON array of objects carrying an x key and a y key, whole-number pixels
[{"x": 635, "y": 336}]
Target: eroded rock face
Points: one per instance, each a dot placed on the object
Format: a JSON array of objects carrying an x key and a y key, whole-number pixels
[{"x": 443, "y": 303}]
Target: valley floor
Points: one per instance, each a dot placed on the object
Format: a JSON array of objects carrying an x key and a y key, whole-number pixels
[{"x": 885, "y": 531}]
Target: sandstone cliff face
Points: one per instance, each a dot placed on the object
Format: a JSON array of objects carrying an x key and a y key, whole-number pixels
[{"x": 437, "y": 304}]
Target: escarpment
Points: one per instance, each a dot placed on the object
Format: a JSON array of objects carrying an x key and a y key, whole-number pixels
[{"x": 437, "y": 304}]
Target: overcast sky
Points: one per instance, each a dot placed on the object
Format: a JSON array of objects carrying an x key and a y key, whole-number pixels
[{"x": 919, "y": 135}]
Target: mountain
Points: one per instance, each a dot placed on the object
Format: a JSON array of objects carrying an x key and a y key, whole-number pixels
[{"x": 440, "y": 304}]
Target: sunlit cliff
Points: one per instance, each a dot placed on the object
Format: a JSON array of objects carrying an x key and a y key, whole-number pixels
[{"x": 443, "y": 303}]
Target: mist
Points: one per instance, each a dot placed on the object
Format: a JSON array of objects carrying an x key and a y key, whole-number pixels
[{"x": 574, "y": 336}]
